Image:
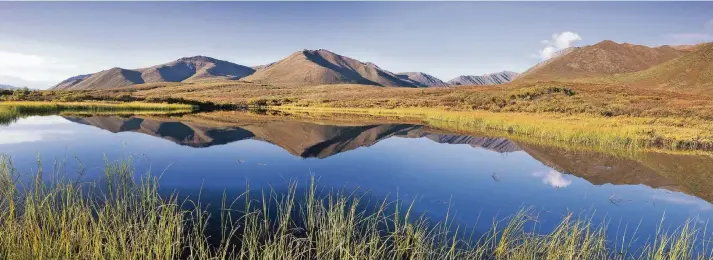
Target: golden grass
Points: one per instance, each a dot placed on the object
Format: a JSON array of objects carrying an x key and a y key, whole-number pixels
[
  {"x": 121, "y": 218},
  {"x": 591, "y": 131},
  {"x": 11, "y": 111},
  {"x": 91, "y": 106}
]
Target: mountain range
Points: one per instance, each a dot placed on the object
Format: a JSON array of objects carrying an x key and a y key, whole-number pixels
[
  {"x": 181, "y": 70},
  {"x": 681, "y": 66},
  {"x": 306, "y": 67},
  {"x": 487, "y": 79}
]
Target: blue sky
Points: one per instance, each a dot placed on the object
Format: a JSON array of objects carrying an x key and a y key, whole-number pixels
[{"x": 43, "y": 43}]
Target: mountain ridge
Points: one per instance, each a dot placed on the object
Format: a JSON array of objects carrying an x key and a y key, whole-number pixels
[
  {"x": 423, "y": 79},
  {"x": 181, "y": 70},
  {"x": 603, "y": 58},
  {"x": 487, "y": 79},
  {"x": 318, "y": 67}
]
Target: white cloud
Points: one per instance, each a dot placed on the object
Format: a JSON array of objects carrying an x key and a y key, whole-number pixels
[
  {"x": 553, "y": 178},
  {"x": 28, "y": 136},
  {"x": 33, "y": 68},
  {"x": 42, "y": 120},
  {"x": 559, "y": 41}
]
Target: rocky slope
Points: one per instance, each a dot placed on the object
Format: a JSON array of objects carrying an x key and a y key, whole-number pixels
[
  {"x": 422, "y": 79},
  {"x": 487, "y": 79}
]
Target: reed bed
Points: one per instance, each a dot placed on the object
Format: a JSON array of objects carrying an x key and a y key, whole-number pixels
[
  {"x": 30, "y": 106},
  {"x": 124, "y": 217},
  {"x": 587, "y": 130},
  {"x": 12, "y": 111}
]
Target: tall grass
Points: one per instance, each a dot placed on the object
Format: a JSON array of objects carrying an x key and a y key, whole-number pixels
[
  {"x": 29, "y": 106},
  {"x": 11, "y": 111},
  {"x": 587, "y": 130},
  {"x": 121, "y": 217}
]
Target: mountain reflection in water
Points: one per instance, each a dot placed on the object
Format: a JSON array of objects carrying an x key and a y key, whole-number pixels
[{"x": 316, "y": 140}]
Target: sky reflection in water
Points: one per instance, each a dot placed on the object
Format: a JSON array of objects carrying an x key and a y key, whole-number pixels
[{"x": 480, "y": 177}]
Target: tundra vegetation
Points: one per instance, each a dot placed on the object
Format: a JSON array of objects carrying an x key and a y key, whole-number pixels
[{"x": 49, "y": 215}]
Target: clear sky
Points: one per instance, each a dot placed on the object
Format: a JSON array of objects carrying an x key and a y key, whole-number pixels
[{"x": 43, "y": 43}]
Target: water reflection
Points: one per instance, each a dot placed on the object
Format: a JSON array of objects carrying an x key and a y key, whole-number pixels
[
  {"x": 310, "y": 139},
  {"x": 479, "y": 177},
  {"x": 304, "y": 139}
]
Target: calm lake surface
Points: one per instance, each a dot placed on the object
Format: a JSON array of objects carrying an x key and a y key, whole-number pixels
[{"x": 481, "y": 178}]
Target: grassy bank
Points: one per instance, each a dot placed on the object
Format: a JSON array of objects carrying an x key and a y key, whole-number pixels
[
  {"x": 587, "y": 130},
  {"x": 11, "y": 111},
  {"x": 29, "y": 106},
  {"x": 122, "y": 218}
]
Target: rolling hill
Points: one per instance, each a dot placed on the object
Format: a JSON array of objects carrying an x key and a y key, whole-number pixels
[
  {"x": 693, "y": 71},
  {"x": 318, "y": 67},
  {"x": 181, "y": 70},
  {"x": 422, "y": 79},
  {"x": 603, "y": 58},
  {"x": 487, "y": 79}
]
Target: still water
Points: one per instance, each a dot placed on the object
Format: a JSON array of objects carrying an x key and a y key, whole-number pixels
[{"x": 479, "y": 178}]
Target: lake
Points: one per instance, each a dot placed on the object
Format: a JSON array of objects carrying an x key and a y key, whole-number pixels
[{"x": 477, "y": 178}]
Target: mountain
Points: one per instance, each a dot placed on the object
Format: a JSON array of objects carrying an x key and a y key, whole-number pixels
[
  {"x": 554, "y": 57},
  {"x": 487, "y": 79},
  {"x": 691, "y": 71},
  {"x": 8, "y": 87},
  {"x": 422, "y": 79},
  {"x": 111, "y": 78},
  {"x": 316, "y": 67},
  {"x": 181, "y": 70},
  {"x": 191, "y": 68},
  {"x": 603, "y": 58},
  {"x": 259, "y": 67},
  {"x": 71, "y": 81}
]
